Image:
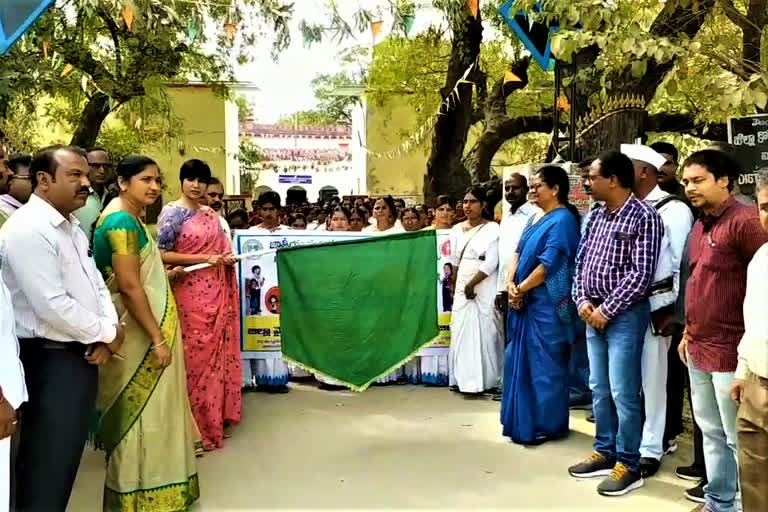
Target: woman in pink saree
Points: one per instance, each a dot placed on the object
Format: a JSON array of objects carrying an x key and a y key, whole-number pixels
[{"x": 188, "y": 234}]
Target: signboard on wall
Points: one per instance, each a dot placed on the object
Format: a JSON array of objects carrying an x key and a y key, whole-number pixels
[
  {"x": 748, "y": 137},
  {"x": 295, "y": 179}
]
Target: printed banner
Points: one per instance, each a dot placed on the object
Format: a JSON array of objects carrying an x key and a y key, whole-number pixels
[{"x": 260, "y": 292}]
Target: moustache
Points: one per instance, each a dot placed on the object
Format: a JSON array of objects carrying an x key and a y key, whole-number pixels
[{"x": 83, "y": 190}]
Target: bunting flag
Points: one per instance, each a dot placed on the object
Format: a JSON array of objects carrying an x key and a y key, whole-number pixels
[
  {"x": 192, "y": 29},
  {"x": 473, "y": 7},
  {"x": 562, "y": 104},
  {"x": 357, "y": 323},
  {"x": 67, "y": 70},
  {"x": 231, "y": 29},
  {"x": 511, "y": 77},
  {"x": 376, "y": 28},
  {"x": 16, "y": 17},
  {"x": 408, "y": 21},
  {"x": 46, "y": 48},
  {"x": 127, "y": 13},
  {"x": 415, "y": 138}
]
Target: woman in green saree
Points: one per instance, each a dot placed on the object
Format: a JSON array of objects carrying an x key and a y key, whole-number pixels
[{"x": 146, "y": 425}]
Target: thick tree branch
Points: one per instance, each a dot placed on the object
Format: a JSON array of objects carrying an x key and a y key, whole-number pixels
[{"x": 114, "y": 32}]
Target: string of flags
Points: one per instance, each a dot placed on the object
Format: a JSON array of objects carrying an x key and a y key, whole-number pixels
[{"x": 416, "y": 138}]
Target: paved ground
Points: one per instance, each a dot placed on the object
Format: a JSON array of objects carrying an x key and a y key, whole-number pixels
[{"x": 394, "y": 448}]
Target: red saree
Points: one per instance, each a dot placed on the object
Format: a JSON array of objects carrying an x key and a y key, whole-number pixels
[{"x": 210, "y": 323}]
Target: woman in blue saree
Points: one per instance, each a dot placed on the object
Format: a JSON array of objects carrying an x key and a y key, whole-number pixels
[{"x": 542, "y": 319}]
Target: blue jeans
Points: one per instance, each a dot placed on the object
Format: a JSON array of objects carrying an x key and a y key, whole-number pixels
[
  {"x": 578, "y": 369},
  {"x": 715, "y": 414},
  {"x": 615, "y": 357}
]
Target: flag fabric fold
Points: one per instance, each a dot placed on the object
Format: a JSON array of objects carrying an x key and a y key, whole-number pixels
[{"x": 355, "y": 311}]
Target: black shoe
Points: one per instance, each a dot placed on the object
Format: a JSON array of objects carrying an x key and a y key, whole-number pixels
[
  {"x": 591, "y": 417},
  {"x": 279, "y": 390},
  {"x": 620, "y": 482},
  {"x": 579, "y": 404},
  {"x": 595, "y": 465},
  {"x": 692, "y": 473},
  {"x": 649, "y": 466},
  {"x": 696, "y": 494},
  {"x": 670, "y": 446},
  {"x": 455, "y": 389},
  {"x": 497, "y": 397}
]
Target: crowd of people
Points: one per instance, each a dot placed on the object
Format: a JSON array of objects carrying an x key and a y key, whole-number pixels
[{"x": 657, "y": 288}]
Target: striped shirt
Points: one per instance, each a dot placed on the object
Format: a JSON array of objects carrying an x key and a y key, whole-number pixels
[
  {"x": 721, "y": 246},
  {"x": 617, "y": 256}
]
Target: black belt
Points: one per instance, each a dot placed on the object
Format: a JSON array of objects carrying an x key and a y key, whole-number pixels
[
  {"x": 666, "y": 285},
  {"x": 73, "y": 346}
]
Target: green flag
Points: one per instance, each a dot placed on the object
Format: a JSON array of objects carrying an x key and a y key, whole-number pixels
[{"x": 355, "y": 311}]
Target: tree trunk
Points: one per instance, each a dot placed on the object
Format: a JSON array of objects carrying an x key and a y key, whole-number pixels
[
  {"x": 445, "y": 172},
  {"x": 93, "y": 115}
]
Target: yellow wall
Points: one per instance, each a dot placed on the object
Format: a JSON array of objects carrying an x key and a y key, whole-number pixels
[
  {"x": 202, "y": 114},
  {"x": 387, "y": 126}
]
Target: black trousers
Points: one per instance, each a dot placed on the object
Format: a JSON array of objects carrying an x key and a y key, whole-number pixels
[{"x": 62, "y": 395}]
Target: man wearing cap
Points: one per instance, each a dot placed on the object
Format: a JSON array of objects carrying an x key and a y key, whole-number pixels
[{"x": 678, "y": 221}]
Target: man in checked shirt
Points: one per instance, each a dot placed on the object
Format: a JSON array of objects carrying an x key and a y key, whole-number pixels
[{"x": 615, "y": 266}]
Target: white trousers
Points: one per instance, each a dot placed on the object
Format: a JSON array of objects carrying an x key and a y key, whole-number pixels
[
  {"x": 655, "y": 364},
  {"x": 5, "y": 473}
]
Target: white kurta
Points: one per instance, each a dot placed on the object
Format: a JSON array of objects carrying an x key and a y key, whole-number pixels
[{"x": 477, "y": 345}]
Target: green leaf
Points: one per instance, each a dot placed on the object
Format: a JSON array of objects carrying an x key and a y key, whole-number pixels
[
  {"x": 761, "y": 98},
  {"x": 672, "y": 87},
  {"x": 639, "y": 67}
]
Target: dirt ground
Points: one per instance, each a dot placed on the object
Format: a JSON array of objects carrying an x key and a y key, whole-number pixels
[{"x": 394, "y": 448}]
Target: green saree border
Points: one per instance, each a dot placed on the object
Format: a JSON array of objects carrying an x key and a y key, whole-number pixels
[
  {"x": 115, "y": 422},
  {"x": 171, "y": 497},
  {"x": 365, "y": 386}
]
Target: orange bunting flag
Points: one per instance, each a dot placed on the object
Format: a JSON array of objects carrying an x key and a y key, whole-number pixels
[
  {"x": 473, "y": 7},
  {"x": 127, "y": 13},
  {"x": 67, "y": 70},
  {"x": 562, "y": 104},
  {"x": 376, "y": 29},
  {"x": 231, "y": 29},
  {"x": 46, "y": 47},
  {"x": 511, "y": 77}
]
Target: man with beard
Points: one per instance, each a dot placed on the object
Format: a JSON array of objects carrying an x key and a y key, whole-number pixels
[
  {"x": 215, "y": 199},
  {"x": 66, "y": 324},
  {"x": 19, "y": 186},
  {"x": 99, "y": 176}
]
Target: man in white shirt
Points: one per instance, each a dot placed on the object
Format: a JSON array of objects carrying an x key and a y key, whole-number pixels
[
  {"x": 678, "y": 221},
  {"x": 13, "y": 391},
  {"x": 512, "y": 226},
  {"x": 65, "y": 321},
  {"x": 750, "y": 384},
  {"x": 19, "y": 187},
  {"x": 270, "y": 374}
]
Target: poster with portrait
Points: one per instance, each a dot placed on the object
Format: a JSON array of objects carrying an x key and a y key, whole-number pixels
[
  {"x": 259, "y": 288},
  {"x": 442, "y": 345}
]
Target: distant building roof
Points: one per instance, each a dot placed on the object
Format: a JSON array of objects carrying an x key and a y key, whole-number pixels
[{"x": 276, "y": 130}]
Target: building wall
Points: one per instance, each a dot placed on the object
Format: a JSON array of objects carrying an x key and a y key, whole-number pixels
[
  {"x": 388, "y": 124},
  {"x": 204, "y": 135}
]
